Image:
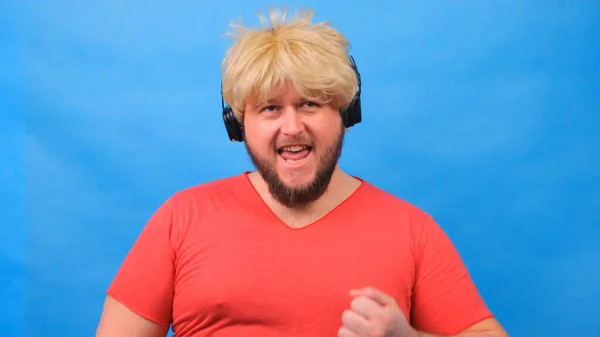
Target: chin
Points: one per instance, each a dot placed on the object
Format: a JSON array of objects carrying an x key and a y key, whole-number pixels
[{"x": 296, "y": 180}]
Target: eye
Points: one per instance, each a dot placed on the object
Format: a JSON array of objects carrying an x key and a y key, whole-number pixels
[
  {"x": 269, "y": 108},
  {"x": 310, "y": 104}
]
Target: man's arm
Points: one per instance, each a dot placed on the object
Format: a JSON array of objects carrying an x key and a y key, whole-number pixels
[
  {"x": 445, "y": 298},
  {"x": 118, "y": 321},
  {"x": 139, "y": 299},
  {"x": 489, "y": 327}
]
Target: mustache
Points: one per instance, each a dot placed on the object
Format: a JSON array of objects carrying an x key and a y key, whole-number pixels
[{"x": 292, "y": 141}]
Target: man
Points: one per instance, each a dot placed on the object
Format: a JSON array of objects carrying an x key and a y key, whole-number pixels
[{"x": 299, "y": 247}]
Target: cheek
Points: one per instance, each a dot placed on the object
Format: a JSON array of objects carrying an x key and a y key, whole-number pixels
[
  {"x": 325, "y": 139},
  {"x": 260, "y": 142}
]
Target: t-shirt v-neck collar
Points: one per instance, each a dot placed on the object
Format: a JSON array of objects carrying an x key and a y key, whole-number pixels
[{"x": 256, "y": 200}]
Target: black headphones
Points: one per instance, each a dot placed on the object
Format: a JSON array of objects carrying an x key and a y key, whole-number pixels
[{"x": 351, "y": 115}]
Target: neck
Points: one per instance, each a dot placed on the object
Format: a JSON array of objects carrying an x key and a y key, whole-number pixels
[{"x": 341, "y": 186}]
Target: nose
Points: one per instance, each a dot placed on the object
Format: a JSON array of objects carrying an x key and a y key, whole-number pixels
[{"x": 292, "y": 124}]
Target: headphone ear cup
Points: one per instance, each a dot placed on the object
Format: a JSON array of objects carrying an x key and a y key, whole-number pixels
[
  {"x": 235, "y": 130},
  {"x": 346, "y": 117},
  {"x": 352, "y": 115},
  {"x": 355, "y": 116}
]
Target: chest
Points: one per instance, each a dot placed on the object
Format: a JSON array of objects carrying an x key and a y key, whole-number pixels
[{"x": 292, "y": 281}]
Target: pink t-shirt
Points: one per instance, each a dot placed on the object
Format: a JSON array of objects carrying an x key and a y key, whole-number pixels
[{"x": 214, "y": 260}]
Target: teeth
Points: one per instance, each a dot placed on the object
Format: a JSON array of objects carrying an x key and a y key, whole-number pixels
[{"x": 294, "y": 148}]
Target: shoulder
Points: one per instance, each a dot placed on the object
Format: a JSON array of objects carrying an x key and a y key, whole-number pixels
[
  {"x": 190, "y": 203},
  {"x": 387, "y": 207},
  {"x": 187, "y": 207},
  {"x": 399, "y": 213},
  {"x": 214, "y": 191},
  {"x": 385, "y": 202}
]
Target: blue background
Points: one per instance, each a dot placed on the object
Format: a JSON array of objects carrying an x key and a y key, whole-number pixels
[{"x": 485, "y": 114}]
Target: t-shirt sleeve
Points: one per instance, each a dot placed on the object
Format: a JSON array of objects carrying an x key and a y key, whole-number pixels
[
  {"x": 445, "y": 298},
  {"x": 144, "y": 281}
]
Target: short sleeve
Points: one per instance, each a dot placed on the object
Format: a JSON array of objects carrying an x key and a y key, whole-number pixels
[
  {"x": 144, "y": 281},
  {"x": 445, "y": 298}
]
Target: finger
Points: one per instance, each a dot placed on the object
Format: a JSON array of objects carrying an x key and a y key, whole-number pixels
[
  {"x": 345, "y": 332},
  {"x": 366, "y": 307},
  {"x": 354, "y": 322},
  {"x": 375, "y": 294}
]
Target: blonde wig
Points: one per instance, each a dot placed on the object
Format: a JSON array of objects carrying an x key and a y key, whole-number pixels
[{"x": 313, "y": 57}]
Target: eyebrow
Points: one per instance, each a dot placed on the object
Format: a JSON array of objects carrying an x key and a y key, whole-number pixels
[{"x": 273, "y": 101}]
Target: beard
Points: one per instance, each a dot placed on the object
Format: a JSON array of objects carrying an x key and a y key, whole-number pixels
[{"x": 297, "y": 197}]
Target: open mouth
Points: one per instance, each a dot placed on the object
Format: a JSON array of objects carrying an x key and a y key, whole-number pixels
[{"x": 294, "y": 154}]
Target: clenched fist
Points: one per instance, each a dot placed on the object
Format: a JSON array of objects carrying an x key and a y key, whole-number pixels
[{"x": 373, "y": 313}]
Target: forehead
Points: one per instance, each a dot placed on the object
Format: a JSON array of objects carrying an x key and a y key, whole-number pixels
[{"x": 286, "y": 92}]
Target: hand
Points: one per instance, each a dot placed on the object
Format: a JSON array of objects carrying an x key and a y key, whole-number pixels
[{"x": 373, "y": 313}]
